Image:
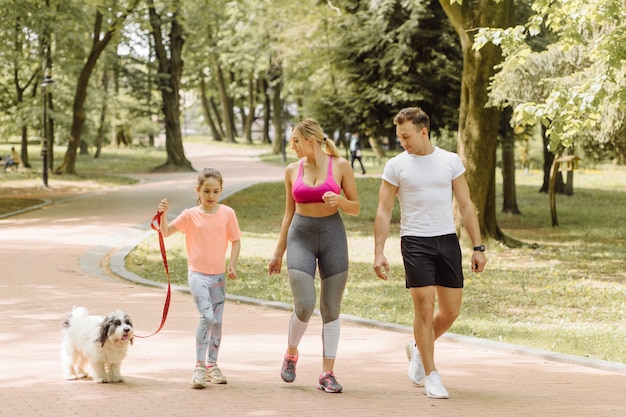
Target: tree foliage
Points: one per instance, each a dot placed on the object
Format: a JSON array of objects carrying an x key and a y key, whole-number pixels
[
  {"x": 382, "y": 56},
  {"x": 577, "y": 86},
  {"x": 108, "y": 22}
]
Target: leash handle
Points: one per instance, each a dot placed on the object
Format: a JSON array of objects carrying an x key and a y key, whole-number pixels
[{"x": 156, "y": 225}]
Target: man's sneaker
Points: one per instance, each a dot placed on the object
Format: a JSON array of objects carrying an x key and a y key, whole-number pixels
[
  {"x": 416, "y": 368},
  {"x": 328, "y": 383},
  {"x": 215, "y": 375},
  {"x": 433, "y": 387},
  {"x": 198, "y": 378},
  {"x": 288, "y": 372}
]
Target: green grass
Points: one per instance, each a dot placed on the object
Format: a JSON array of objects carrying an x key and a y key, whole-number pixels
[
  {"x": 568, "y": 295},
  {"x": 111, "y": 168}
]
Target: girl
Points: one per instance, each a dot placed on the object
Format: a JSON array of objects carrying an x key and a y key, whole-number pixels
[{"x": 208, "y": 228}]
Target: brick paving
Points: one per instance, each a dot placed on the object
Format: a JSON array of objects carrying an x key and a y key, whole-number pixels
[{"x": 57, "y": 257}]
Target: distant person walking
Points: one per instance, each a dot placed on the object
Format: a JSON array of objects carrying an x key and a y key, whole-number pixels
[
  {"x": 208, "y": 228},
  {"x": 314, "y": 236},
  {"x": 355, "y": 151},
  {"x": 13, "y": 160},
  {"x": 424, "y": 178}
]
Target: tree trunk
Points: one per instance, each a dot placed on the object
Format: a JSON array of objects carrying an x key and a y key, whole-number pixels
[
  {"x": 218, "y": 120},
  {"x": 24, "y": 148},
  {"x": 568, "y": 188},
  {"x": 266, "y": 113},
  {"x": 278, "y": 146},
  {"x": 207, "y": 110},
  {"x": 121, "y": 137},
  {"x": 99, "y": 43},
  {"x": 509, "y": 196},
  {"x": 20, "y": 94},
  {"x": 478, "y": 140},
  {"x": 103, "y": 111},
  {"x": 569, "y": 183},
  {"x": 170, "y": 73},
  {"x": 250, "y": 115},
  {"x": 478, "y": 126},
  {"x": 225, "y": 102},
  {"x": 68, "y": 166},
  {"x": 377, "y": 147},
  {"x": 548, "y": 159}
]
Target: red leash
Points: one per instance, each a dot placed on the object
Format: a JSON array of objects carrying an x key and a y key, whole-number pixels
[{"x": 166, "y": 307}]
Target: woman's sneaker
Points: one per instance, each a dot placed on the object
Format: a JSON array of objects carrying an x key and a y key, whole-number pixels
[
  {"x": 416, "y": 368},
  {"x": 199, "y": 377},
  {"x": 288, "y": 372},
  {"x": 215, "y": 376},
  {"x": 328, "y": 383}
]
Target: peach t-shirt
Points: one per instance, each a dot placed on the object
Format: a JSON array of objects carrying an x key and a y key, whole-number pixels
[{"x": 207, "y": 237}]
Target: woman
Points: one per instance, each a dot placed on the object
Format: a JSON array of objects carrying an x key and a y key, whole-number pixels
[{"x": 313, "y": 234}]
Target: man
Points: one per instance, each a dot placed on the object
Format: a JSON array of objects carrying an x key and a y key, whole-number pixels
[{"x": 424, "y": 177}]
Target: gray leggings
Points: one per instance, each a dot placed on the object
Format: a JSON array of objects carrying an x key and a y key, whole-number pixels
[
  {"x": 208, "y": 292},
  {"x": 317, "y": 242}
]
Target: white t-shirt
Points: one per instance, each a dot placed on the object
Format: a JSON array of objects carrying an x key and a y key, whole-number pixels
[{"x": 425, "y": 191}]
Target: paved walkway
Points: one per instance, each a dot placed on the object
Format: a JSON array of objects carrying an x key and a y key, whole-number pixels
[{"x": 58, "y": 256}]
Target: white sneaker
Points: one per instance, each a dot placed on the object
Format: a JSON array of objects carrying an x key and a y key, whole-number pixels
[
  {"x": 199, "y": 377},
  {"x": 416, "y": 369},
  {"x": 215, "y": 375},
  {"x": 433, "y": 388}
]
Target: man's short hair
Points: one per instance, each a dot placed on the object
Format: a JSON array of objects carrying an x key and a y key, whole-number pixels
[{"x": 415, "y": 115}]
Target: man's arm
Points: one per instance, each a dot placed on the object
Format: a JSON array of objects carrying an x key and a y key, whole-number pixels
[
  {"x": 470, "y": 220},
  {"x": 386, "y": 199}
]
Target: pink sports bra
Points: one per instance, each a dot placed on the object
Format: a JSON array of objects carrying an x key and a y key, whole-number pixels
[{"x": 303, "y": 193}]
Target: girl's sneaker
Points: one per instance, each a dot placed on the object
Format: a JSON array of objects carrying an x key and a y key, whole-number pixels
[
  {"x": 215, "y": 375},
  {"x": 328, "y": 383},
  {"x": 199, "y": 377}
]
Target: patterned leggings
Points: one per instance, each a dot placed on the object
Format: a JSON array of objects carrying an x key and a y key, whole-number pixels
[{"x": 208, "y": 292}]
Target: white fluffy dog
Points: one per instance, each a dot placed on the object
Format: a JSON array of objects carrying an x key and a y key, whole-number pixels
[{"x": 101, "y": 341}]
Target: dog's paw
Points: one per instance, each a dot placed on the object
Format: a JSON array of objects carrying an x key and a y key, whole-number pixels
[{"x": 75, "y": 377}]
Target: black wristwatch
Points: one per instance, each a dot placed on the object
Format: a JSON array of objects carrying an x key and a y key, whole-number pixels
[{"x": 479, "y": 248}]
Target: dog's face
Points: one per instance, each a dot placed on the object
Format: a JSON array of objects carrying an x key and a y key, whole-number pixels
[{"x": 117, "y": 327}]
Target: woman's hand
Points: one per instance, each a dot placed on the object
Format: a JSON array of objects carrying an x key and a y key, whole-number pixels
[
  {"x": 331, "y": 199},
  {"x": 274, "y": 266}
]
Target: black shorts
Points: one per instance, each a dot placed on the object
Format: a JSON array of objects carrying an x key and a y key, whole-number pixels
[{"x": 432, "y": 261}]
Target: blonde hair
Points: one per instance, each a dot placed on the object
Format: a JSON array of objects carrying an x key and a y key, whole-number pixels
[{"x": 311, "y": 129}]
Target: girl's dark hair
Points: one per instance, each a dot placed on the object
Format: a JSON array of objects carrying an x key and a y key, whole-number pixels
[
  {"x": 416, "y": 115},
  {"x": 205, "y": 175}
]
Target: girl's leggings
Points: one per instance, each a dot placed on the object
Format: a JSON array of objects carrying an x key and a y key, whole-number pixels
[
  {"x": 208, "y": 292},
  {"x": 317, "y": 242}
]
